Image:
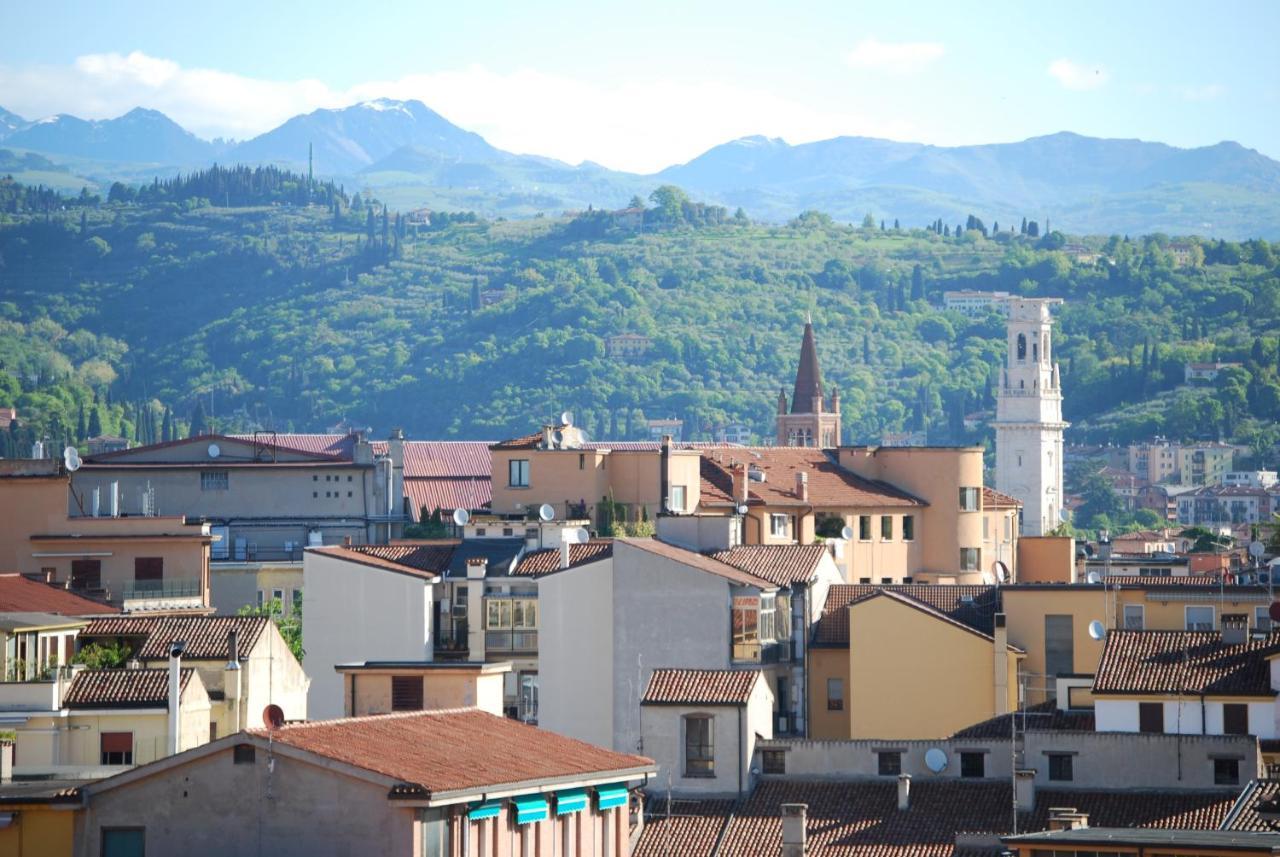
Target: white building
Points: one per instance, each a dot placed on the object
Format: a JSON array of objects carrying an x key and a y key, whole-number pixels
[
  {"x": 1251, "y": 478},
  {"x": 1029, "y": 425},
  {"x": 975, "y": 304}
]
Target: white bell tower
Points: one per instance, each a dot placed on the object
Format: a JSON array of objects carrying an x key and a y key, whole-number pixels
[{"x": 1029, "y": 417}]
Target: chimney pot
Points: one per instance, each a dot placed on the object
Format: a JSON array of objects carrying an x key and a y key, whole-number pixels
[
  {"x": 794, "y": 834},
  {"x": 346, "y": 541},
  {"x": 565, "y": 550},
  {"x": 1235, "y": 629},
  {"x": 904, "y": 792},
  {"x": 802, "y": 486}
]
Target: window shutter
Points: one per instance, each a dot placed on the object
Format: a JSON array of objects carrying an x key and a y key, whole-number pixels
[{"x": 406, "y": 693}]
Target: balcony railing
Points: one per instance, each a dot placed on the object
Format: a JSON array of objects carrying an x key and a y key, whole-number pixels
[
  {"x": 253, "y": 553},
  {"x": 151, "y": 590},
  {"x": 511, "y": 641},
  {"x": 452, "y": 642}
]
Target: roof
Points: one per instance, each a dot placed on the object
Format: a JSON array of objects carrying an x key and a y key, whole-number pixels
[
  {"x": 41, "y": 791},
  {"x": 547, "y": 560},
  {"x": 528, "y": 441},
  {"x": 1214, "y": 839},
  {"x": 781, "y": 565},
  {"x": 700, "y": 687},
  {"x": 470, "y": 493},
  {"x": 829, "y": 484},
  {"x": 205, "y": 636},
  {"x": 808, "y": 374},
  {"x": 689, "y": 827},
  {"x": 974, "y": 606},
  {"x": 122, "y": 688},
  {"x": 914, "y": 604},
  {"x": 697, "y": 561},
  {"x": 127, "y": 456},
  {"x": 1043, "y": 717},
  {"x": 993, "y": 499},
  {"x": 25, "y": 621},
  {"x": 20, "y": 594},
  {"x": 428, "y": 560},
  {"x": 1171, "y": 662},
  {"x": 1257, "y": 796},
  {"x": 452, "y": 750}
]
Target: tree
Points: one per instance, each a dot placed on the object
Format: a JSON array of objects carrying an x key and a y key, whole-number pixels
[
  {"x": 1100, "y": 499},
  {"x": 82, "y": 427},
  {"x": 95, "y": 422},
  {"x": 917, "y": 282},
  {"x": 289, "y": 623},
  {"x": 868, "y": 222},
  {"x": 637, "y": 202},
  {"x": 669, "y": 202},
  {"x": 197, "y": 426},
  {"x": 102, "y": 656}
]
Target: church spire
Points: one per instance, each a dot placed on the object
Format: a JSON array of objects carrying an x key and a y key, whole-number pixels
[{"x": 807, "y": 398}]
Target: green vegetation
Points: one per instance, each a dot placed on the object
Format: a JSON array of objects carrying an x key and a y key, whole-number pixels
[
  {"x": 289, "y": 624},
  {"x": 109, "y": 655},
  {"x": 289, "y": 315}
]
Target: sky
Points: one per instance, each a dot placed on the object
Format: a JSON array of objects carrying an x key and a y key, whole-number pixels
[{"x": 640, "y": 86}]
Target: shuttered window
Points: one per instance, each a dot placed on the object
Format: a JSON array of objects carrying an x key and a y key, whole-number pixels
[
  {"x": 406, "y": 693},
  {"x": 148, "y": 568},
  {"x": 117, "y": 748},
  {"x": 86, "y": 574},
  {"x": 1150, "y": 717},
  {"x": 1235, "y": 719}
]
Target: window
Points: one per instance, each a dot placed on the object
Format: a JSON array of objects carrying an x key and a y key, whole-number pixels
[
  {"x": 1151, "y": 717},
  {"x": 1261, "y": 619},
  {"x": 116, "y": 748},
  {"x": 1059, "y": 645},
  {"x": 124, "y": 841},
  {"x": 1133, "y": 617},
  {"x": 986, "y": 529},
  {"x": 406, "y": 693},
  {"x": 1199, "y": 618},
  {"x": 244, "y": 754},
  {"x": 699, "y": 751},
  {"x": 778, "y": 526},
  {"x": 1235, "y": 718},
  {"x": 835, "y": 694},
  {"x": 86, "y": 574},
  {"x": 908, "y": 528},
  {"x": 973, "y": 765},
  {"x": 968, "y": 559},
  {"x": 1060, "y": 767},
  {"x": 297, "y": 601},
  {"x": 775, "y": 761},
  {"x": 214, "y": 480},
  {"x": 889, "y": 763},
  {"x": 582, "y": 461},
  {"x": 886, "y": 528},
  {"x": 518, "y": 473},
  {"x": 678, "y": 493},
  {"x": 864, "y": 528},
  {"x": 1226, "y": 772},
  {"x": 886, "y": 580},
  {"x": 969, "y": 499},
  {"x": 213, "y": 730},
  {"x": 277, "y": 600},
  {"x": 435, "y": 833},
  {"x": 148, "y": 568},
  {"x": 1022, "y": 346}
]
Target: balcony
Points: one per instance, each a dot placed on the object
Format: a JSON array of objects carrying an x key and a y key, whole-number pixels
[
  {"x": 450, "y": 644},
  {"x": 511, "y": 641},
  {"x": 253, "y": 553},
  {"x": 162, "y": 594}
]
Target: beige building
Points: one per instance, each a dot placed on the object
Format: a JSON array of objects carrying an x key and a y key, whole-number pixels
[{"x": 384, "y": 687}]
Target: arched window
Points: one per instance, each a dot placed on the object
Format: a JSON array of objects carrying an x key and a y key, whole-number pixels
[
  {"x": 1022, "y": 346},
  {"x": 699, "y": 746},
  {"x": 1035, "y": 351}
]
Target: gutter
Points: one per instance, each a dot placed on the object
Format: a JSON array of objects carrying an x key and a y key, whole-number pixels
[{"x": 455, "y": 796}]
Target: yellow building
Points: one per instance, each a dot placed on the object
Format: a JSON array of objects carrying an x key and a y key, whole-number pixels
[{"x": 40, "y": 816}]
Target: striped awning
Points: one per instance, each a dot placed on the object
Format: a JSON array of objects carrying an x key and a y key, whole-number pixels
[
  {"x": 530, "y": 808},
  {"x": 607, "y": 797},
  {"x": 488, "y": 809},
  {"x": 571, "y": 800}
]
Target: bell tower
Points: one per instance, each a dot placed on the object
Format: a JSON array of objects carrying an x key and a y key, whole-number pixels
[
  {"x": 811, "y": 420},
  {"x": 1029, "y": 422}
]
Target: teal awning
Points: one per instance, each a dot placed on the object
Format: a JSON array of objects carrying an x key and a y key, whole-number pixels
[
  {"x": 489, "y": 809},
  {"x": 571, "y": 800},
  {"x": 607, "y": 797},
  {"x": 530, "y": 808}
]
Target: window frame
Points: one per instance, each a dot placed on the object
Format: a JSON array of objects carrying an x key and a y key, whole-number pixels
[
  {"x": 1061, "y": 767},
  {"x": 908, "y": 528},
  {"x": 774, "y": 519},
  {"x": 518, "y": 473},
  {"x": 1226, "y": 776},
  {"x": 888, "y": 763},
  {"x": 1148, "y": 710},
  {"x": 1186, "y": 617},
  {"x": 679, "y": 498},
  {"x": 966, "y": 554},
  {"x": 407, "y": 693},
  {"x": 701, "y": 762},
  {"x": 215, "y": 480},
  {"x": 1238, "y": 710},
  {"x": 125, "y": 756},
  {"x": 970, "y": 499},
  {"x": 1142, "y": 617},
  {"x": 835, "y": 702},
  {"x": 774, "y": 761},
  {"x": 864, "y": 528},
  {"x": 106, "y": 831},
  {"x": 886, "y": 528},
  {"x": 967, "y": 759}
]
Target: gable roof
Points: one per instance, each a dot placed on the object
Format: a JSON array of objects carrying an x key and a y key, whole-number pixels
[
  {"x": 547, "y": 560},
  {"x": 781, "y": 565},
  {"x": 993, "y": 499},
  {"x": 970, "y": 605},
  {"x": 1257, "y": 797},
  {"x": 453, "y": 750},
  {"x": 1172, "y": 662},
  {"x": 428, "y": 560},
  {"x": 128, "y": 456},
  {"x": 122, "y": 688},
  {"x": 20, "y": 594},
  {"x": 205, "y": 636},
  {"x": 927, "y": 609},
  {"x": 700, "y": 687},
  {"x": 830, "y": 485},
  {"x": 1042, "y": 717},
  {"x": 697, "y": 561}
]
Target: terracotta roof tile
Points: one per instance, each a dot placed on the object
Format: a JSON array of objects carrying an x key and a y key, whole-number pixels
[
  {"x": 122, "y": 688},
  {"x": 20, "y": 594},
  {"x": 700, "y": 687},
  {"x": 1044, "y": 717},
  {"x": 698, "y": 561},
  {"x": 1257, "y": 797},
  {"x": 829, "y": 484},
  {"x": 529, "y": 441},
  {"x": 1166, "y": 662},
  {"x": 974, "y": 606},
  {"x": 993, "y": 499},
  {"x": 205, "y": 636},
  {"x": 429, "y": 560},
  {"x": 547, "y": 560},
  {"x": 468, "y": 493},
  {"x": 688, "y": 828},
  {"x": 781, "y": 565},
  {"x": 454, "y": 749}
]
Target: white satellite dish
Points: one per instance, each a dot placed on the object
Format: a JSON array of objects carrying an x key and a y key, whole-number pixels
[
  {"x": 1256, "y": 549},
  {"x": 214, "y": 450},
  {"x": 935, "y": 760},
  {"x": 71, "y": 458},
  {"x": 742, "y": 510},
  {"x": 1001, "y": 571},
  {"x": 460, "y": 517},
  {"x": 581, "y": 536},
  {"x": 1097, "y": 630},
  {"x": 566, "y": 418},
  {"x": 847, "y": 533},
  {"x": 546, "y": 512},
  {"x": 1093, "y": 577}
]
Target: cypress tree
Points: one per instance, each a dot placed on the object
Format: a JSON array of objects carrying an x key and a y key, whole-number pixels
[
  {"x": 81, "y": 426},
  {"x": 95, "y": 422}
]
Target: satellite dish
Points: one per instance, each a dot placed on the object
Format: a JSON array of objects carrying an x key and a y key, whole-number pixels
[
  {"x": 935, "y": 760},
  {"x": 1256, "y": 549},
  {"x": 847, "y": 533},
  {"x": 1001, "y": 571},
  {"x": 1274, "y": 611},
  {"x": 273, "y": 716},
  {"x": 581, "y": 536},
  {"x": 71, "y": 458},
  {"x": 566, "y": 418},
  {"x": 460, "y": 517},
  {"x": 557, "y": 439},
  {"x": 214, "y": 450},
  {"x": 1097, "y": 630},
  {"x": 546, "y": 512},
  {"x": 742, "y": 510},
  {"x": 1093, "y": 577}
]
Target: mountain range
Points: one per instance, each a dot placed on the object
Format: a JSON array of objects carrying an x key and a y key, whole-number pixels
[{"x": 409, "y": 155}]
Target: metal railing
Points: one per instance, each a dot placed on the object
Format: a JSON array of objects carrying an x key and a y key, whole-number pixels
[
  {"x": 511, "y": 641},
  {"x": 146, "y": 590},
  {"x": 454, "y": 641},
  {"x": 254, "y": 553}
]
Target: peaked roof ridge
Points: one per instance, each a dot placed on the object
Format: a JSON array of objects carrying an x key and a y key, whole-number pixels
[
  {"x": 164, "y": 444},
  {"x": 366, "y": 718},
  {"x": 697, "y": 561}
]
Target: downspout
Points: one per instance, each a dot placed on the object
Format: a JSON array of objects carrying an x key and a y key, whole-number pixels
[
  {"x": 808, "y": 671},
  {"x": 741, "y": 749},
  {"x": 364, "y": 490}
]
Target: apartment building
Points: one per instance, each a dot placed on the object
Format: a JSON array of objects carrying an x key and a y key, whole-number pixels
[{"x": 1222, "y": 505}]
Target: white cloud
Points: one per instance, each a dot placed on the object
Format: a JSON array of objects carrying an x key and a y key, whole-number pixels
[
  {"x": 640, "y": 125},
  {"x": 894, "y": 57},
  {"x": 1206, "y": 92},
  {"x": 1078, "y": 76}
]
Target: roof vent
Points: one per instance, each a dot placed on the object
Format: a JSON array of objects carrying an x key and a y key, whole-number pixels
[{"x": 755, "y": 474}]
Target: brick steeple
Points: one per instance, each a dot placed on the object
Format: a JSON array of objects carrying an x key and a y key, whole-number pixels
[{"x": 807, "y": 397}]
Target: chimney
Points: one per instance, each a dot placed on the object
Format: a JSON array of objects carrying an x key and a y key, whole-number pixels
[
  {"x": 346, "y": 541},
  {"x": 802, "y": 486},
  {"x": 231, "y": 677},
  {"x": 664, "y": 474},
  {"x": 6, "y": 761},
  {"x": 477, "y": 567},
  {"x": 904, "y": 792},
  {"x": 1024, "y": 789},
  {"x": 1067, "y": 818},
  {"x": 176, "y": 649},
  {"x": 794, "y": 817},
  {"x": 547, "y": 431},
  {"x": 565, "y": 548},
  {"x": 50, "y": 574},
  {"x": 1235, "y": 629},
  {"x": 1000, "y": 651},
  {"x": 740, "y": 490}
]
